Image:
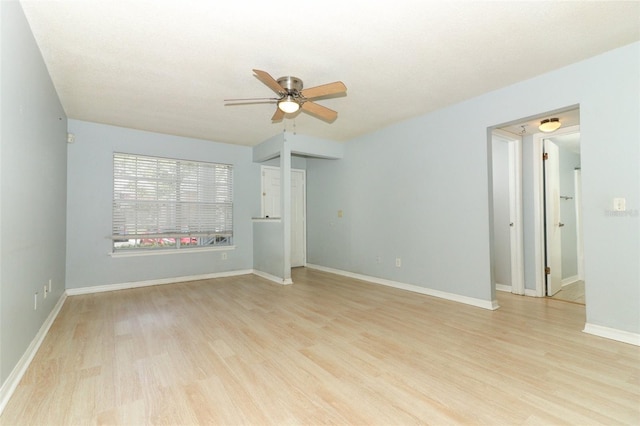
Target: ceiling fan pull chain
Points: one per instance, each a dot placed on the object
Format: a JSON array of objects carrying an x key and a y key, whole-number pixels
[{"x": 294, "y": 126}]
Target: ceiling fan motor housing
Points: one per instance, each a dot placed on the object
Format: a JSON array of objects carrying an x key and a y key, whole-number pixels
[{"x": 290, "y": 84}]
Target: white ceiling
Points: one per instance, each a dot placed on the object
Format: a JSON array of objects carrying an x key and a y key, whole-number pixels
[{"x": 166, "y": 66}]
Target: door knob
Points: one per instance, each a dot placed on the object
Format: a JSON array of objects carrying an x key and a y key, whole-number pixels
[{"x": 560, "y": 224}]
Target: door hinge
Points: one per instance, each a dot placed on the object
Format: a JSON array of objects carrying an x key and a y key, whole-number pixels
[
  {"x": 547, "y": 270},
  {"x": 545, "y": 156}
]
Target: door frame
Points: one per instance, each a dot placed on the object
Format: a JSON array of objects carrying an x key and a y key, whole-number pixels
[
  {"x": 538, "y": 205},
  {"x": 577, "y": 182},
  {"x": 304, "y": 213}
]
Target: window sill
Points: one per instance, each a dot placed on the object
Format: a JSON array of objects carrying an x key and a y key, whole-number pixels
[
  {"x": 266, "y": 219},
  {"x": 135, "y": 253}
]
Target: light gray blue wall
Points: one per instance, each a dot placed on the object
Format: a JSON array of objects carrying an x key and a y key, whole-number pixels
[
  {"x": 90, "y": 189},
  {"x": 568, "y": 162},
  {"x": 297, "y": 162},
  {"x": 268, "y": 247},
  {"x": 416, "y": 190},
  {"x": 32, "y": 188},
  {"x": 419, "y": 189},
  {"x": 610, "y": 153}
]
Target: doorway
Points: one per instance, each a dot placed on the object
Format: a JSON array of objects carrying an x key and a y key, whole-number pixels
[
  {"x": 558, "y": 200},
  {"x": 532, "y": 241},
  {"x": 271, "y": 208}
]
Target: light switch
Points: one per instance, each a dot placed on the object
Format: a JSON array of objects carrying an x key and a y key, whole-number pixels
[
  {"x": 339, "y": 213},
  {"x": 619, "y": 204}
]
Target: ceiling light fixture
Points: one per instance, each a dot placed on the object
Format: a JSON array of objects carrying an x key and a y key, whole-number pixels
[
  {"x": 549, "y": 125},
  {"x": 288, "y": 105}
]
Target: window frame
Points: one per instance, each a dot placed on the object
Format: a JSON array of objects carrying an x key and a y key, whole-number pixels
[{"x": 168, "y": 200}]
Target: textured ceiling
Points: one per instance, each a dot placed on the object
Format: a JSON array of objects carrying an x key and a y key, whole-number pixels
[{"x": 166, "y": 66}]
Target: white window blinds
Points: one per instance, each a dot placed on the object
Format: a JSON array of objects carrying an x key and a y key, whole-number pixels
[{"x": 156, "y": 198}]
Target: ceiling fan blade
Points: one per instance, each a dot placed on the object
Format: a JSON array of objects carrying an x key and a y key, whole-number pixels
[
  {"x": 278, "y": 115},
  {"x": 324, "y": 90},
  {"x": 271, "y": 82},
  {"x": 251, "y": 99},
  {"x": 320, "y": 111}
]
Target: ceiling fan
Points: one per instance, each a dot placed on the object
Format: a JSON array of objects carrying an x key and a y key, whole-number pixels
[{"x": 292, "y": 97}]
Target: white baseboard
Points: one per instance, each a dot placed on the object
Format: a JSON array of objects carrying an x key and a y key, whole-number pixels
[
  {"x": 278, "y": 280},
  {"x": 136, "y": 284},
  {"x": 492, "y": 305},
  {"x": 530, "y": 293},
  {"x": 503, "y": 287},
  {"x": 569, "y": 280},
  {"x": 613, "y": 334},
  {"x": 9, "y": 386}
]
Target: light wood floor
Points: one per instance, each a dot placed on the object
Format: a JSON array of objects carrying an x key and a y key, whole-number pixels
[
  {"x": 327, "y": 350},
  {"x": 573, "y": 292}
]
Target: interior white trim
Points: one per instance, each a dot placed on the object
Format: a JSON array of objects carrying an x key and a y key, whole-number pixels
[
  {"x": 9, "y": 386},
  {"x": 278, "y": 280},
  {"x": 577, "y": 178},
  {"x": 136, "y": 284},
  {"x": 531, "y": 293},
  {"x": 613, "y": 334},
  {"x": 516, "y": 214},
  {"x": 570, "y": 280},
  {"x": 485, "y": 304},
  {"x": 538, "y": 217},
  {"x": 135, "y": 252},
  {"x": 503, "y": 287}
]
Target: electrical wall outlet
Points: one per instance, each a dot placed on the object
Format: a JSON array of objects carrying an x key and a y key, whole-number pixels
[
  {"x": 224, "y": 255},
  {"x": 619, "y": 204},
  {"x": 398, "y": 262}
]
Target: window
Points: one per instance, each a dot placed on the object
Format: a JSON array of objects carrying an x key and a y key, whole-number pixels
[{"x": 163, "y": 203}]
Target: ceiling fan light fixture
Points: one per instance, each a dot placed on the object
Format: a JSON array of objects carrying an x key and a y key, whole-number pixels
[
  {"x": 288, "y": 105},
  {"x": 550, "y": 125}
]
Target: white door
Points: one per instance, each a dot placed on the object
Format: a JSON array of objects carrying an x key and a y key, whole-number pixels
[
  {"x": 516, "y": 221},
  {"x": 553, "y": 226},
  {"x": 501, "y": 214},
  {"x": 508, "y": 249},
  {"x": 270, "y": 192},
  {"x": 271, "y": 208}
]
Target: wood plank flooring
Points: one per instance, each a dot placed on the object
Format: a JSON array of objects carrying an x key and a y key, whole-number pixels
[
  {"x": 573, "y": 292},
  {"x": 327, "y": 350}
]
